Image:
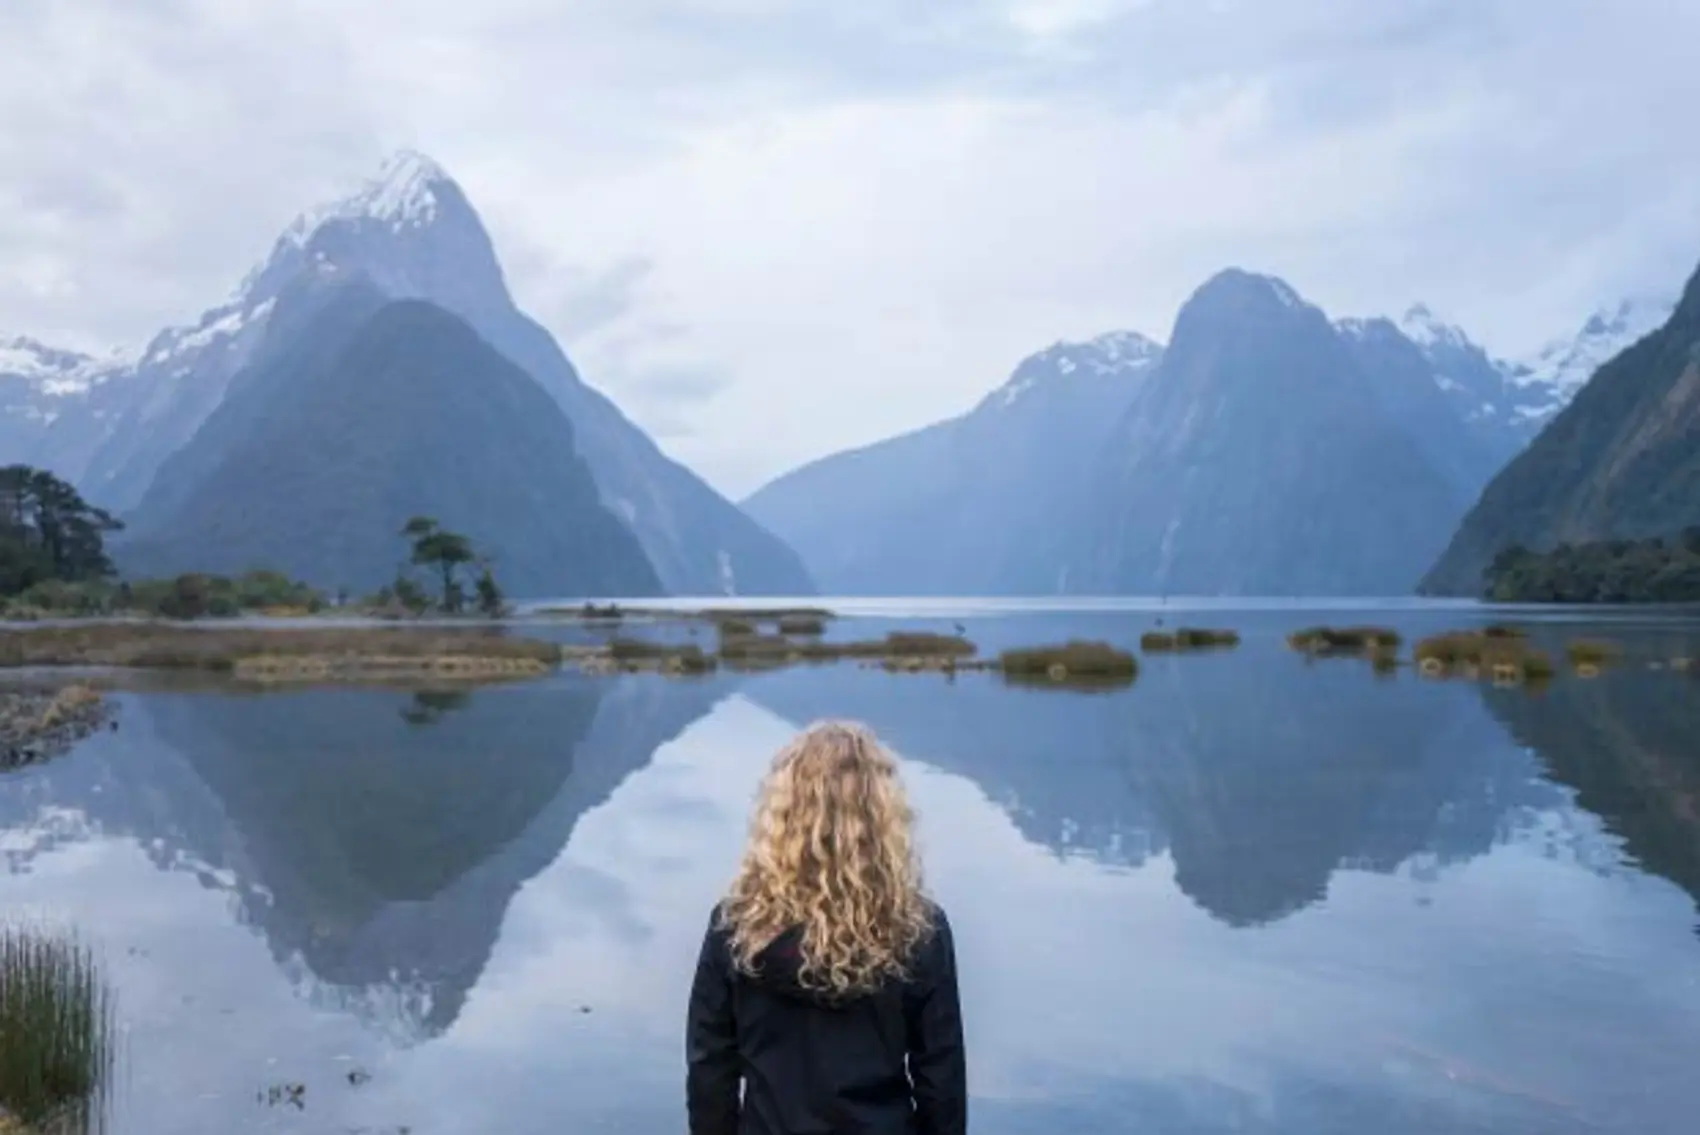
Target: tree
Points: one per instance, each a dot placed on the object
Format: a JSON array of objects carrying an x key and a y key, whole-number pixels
[
  {"x": 491, "y": 602},
  {"x": 47, "y": 531},
  {"x": 437, "y": 547}
]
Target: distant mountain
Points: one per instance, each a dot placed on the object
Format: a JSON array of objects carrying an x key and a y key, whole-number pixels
[
  {"x": 966, "y": 506},
  {"x": 55, "y": 404},
  {"x": 1260, "y": 458},
  {"x": 412, "y": 233},
  {"x": 358, "y": 413},
  {"x": 1621, "y": 460},
  {"x": 1502, "y": 407},
  {"x": 1468, "y": 449},
  {"x": 1565, "y": 365}
]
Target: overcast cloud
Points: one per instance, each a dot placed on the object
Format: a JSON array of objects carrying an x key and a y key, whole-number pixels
[{"x": 774, "y": 228}]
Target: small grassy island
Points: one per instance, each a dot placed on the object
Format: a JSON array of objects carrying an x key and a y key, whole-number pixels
[
  {"x": 1076, "y": 664},
  {"x": 1605, "y": 571},
  {"x": 1183, "y": 639}
]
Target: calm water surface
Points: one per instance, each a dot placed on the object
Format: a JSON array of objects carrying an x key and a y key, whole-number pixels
[{"x": 1248, "y": 894}]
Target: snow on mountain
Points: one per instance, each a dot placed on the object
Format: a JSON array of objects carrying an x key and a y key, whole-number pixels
[
  {"x": 53, "y": 371},
  {"x": 1108, "y": 355},
  {"x": 1565, "y": 365},
  {"x": 182, "y": 374},
  {"x": 403, "y": 194}
]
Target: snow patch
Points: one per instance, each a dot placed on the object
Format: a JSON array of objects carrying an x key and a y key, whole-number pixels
[
  {"x": 403, "y": 194},
  {"x": 1567, "y": 364},
  {"x": 54, "y": 372},
  {"x": 1109, "y": 354},
  {"x": 1427, "y": 330}
]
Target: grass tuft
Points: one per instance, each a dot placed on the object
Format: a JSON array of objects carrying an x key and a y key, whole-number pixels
[{"x": 57, "y": 1029}]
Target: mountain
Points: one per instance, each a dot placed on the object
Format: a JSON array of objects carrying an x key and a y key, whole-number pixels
[
  {"x": 1565, "y": 365},
  {"x": 1621, "y": 460},
  {"x": 1259, "y": 458},
  {"x": 359, "y": 413},
  {"x": 1413, "y": 393},
  {"x": 962, "y": 507},
  {"x": 1499, "y": 402},
  {"x": 55, "y": 401},
  {"x": 412, "y": 233}
]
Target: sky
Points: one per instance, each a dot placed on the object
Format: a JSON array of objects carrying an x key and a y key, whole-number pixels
[{"x": 772, "y": 229}]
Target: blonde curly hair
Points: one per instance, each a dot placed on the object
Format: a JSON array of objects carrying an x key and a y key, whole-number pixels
[{"x": 830, "y": 852}]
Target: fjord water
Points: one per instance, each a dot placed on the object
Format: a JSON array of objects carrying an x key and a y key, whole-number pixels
[{"x": 1247, "y": 894}]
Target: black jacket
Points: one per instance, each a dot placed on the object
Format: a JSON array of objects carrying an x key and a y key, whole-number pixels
[{"x": 887, "y": 1063}]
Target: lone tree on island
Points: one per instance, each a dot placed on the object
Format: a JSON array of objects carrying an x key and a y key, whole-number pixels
[{"x": 447, "y": 552}]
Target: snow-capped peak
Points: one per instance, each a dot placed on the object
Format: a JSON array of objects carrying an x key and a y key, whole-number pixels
[
  {"x": 403, "y": 194},
  {"x": 1110, "y": 354},
  {"x": 1120, "y": 349},
  {"x": 55, "y": 371},
  {"x": 1566, "y": 364},
  {"x": 1427, "y": 330}
]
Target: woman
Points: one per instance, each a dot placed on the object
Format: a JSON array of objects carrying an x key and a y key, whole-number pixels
[{"x": 826, "y": 987}]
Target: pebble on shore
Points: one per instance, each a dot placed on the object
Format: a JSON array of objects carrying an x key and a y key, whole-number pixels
[{"x": 39, "y": 724}]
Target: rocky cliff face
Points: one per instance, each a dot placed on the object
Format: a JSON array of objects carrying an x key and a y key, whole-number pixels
[{"x": 1260, "y": 459}]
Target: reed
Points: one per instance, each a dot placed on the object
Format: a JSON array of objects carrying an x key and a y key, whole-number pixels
[{"x": 57, "y": 1030}]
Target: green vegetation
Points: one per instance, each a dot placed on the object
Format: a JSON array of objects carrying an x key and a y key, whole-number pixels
[
  {"x": 1473, "y": 654},
  {"x": 48, "y": 532},
  {"x": 800, "y": 620},
  {"x": 1607, "y": 571},
  {"x": 1325, "y": 642},
  {"x": 277, "y": 653},
  {"x": 808, "y": 625},
  {"x": 1588, "y": 656},
  {"x": 57, "y": 1032},
  {"x": 1076, "y": 663},
  {"x": 1187, "y": 638},
  {"x": 669, "y": 658},
  {"x": 189, "y": 596},
  {"x": 448, "y": 556}
]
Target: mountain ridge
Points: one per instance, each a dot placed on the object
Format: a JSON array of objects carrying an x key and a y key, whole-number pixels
[
  {"x": 1618, "y": 462},
  {"x": 962, "y": 505},
  {"x": 367, "y": 411},
  {"x": 412, "y": 233}
]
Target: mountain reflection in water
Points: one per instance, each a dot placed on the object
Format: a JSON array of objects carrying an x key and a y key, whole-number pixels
[{"x": 1246, "y": 894}]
